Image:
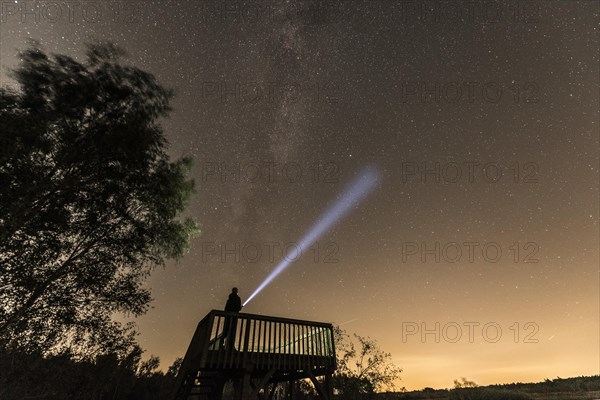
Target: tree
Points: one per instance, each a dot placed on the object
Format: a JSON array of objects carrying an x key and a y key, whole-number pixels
[
  {"x": 365, "y": 371},
  {"x": 27, "y": 375},
  {"x": 464, "y": 383},
  {"x": 90, "y": 202}
]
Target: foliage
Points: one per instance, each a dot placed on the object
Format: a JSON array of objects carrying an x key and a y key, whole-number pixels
[
  {"x": 575, "y": 384},
  {"x": 303, "y": 390},
  {"x": 464, "y": 383},
  {"x": 89, "y": 200},
  {"x": 26, "y": 375},
  {"x": 362, "y": 371},
  {"x": 583, "y": 387}
]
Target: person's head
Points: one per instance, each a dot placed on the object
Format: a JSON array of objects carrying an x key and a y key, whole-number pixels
[{"x": 234, "y": 290}]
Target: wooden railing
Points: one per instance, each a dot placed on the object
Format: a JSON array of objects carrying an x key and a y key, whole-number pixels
[
  {"x": 230, "y": 340},
  {"x": 227, "y": 342}
]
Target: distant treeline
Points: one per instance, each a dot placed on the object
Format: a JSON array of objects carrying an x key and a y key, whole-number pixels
[{"x": 583, "y": 387}]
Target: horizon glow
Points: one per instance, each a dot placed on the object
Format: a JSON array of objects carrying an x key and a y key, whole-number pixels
[{"x": 360, "y": 187}]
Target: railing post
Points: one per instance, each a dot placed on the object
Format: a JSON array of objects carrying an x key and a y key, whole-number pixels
[
  {"x": 331, "y": 349},
  {"x": 246, "y": 341},
  {"x": 206, "y": 345}
]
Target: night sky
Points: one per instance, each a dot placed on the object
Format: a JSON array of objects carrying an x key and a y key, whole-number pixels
[{"x": 481, "y": 117}]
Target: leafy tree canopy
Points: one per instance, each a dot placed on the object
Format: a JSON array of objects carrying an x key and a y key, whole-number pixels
[
  {"x": 90, "y": 201},
  {"x": 363, "y": 370}
]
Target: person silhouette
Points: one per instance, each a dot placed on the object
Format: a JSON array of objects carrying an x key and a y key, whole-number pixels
[{"x": 233, "y": 305}]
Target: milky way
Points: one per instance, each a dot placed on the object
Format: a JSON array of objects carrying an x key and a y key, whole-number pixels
[{"x": 482, "y": 117}]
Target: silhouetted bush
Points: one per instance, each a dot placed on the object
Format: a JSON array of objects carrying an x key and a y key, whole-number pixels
[{"x": 31, "y": 375}]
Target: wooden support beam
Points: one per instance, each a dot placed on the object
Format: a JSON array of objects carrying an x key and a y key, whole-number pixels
[
  {"x": 292, "y": 390},
  {"x": 272, "y": 391},
  {"x": 246, "y": 389},
  {"x": 329, "y": 385},
  {"x": 297, "y": 375},
  {"x": 263, "y": 383},
  {"x": 323, "y": 393}
]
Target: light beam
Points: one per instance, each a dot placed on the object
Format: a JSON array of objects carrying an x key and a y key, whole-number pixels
[{"x": 362, "y": 185}]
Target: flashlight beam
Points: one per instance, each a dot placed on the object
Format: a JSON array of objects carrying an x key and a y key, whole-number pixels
[{"x": 362, "y": 185}]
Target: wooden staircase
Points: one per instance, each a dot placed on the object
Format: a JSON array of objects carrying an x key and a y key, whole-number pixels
[{"x": 256, "y": 352}]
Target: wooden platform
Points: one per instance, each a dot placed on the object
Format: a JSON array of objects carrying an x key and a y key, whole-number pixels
[{"x": 255, "y": 351}]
